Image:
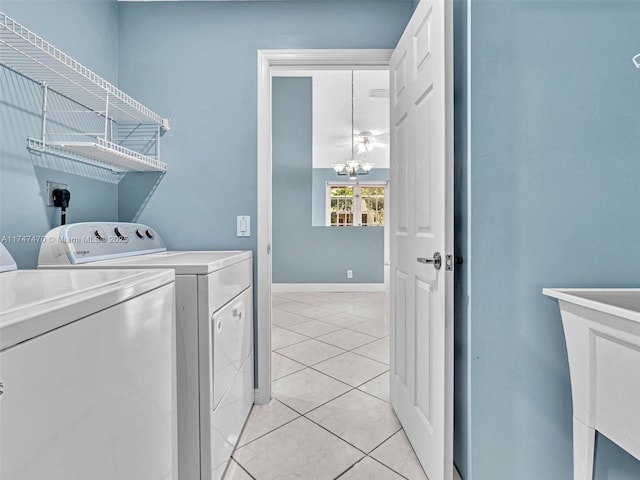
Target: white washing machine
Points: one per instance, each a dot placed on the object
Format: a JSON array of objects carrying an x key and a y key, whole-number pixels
[
  {"x": 214, "y": 302},
  {"x": 87, "y": 374}
]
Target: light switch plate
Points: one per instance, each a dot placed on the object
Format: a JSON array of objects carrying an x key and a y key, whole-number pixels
[{"x": 243, "y": 226}]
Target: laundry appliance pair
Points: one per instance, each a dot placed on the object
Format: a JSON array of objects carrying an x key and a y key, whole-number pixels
[
  {"x": 212, "y": 341},
  {"x": 214, "y": 334}
]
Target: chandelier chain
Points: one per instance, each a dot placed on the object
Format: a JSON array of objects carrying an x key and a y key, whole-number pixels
[
  {"x": 353, "y": 167},
  {"x": 352, "y": 121}
]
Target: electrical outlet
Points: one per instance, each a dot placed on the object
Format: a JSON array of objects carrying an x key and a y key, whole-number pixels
[
  {"x": 349, "y": 273},
  {"x": 51, "y": 186}
]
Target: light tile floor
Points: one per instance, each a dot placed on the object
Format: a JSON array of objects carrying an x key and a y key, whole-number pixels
[{"x": 330, "y": 416}]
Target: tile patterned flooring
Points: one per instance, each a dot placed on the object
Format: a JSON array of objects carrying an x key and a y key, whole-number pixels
[{"x": 330, "y": 416}]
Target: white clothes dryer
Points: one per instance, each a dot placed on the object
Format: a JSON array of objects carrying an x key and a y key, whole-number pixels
[
  {"x": 87, "y": 374},
  {"x": 214, "y": 304}
]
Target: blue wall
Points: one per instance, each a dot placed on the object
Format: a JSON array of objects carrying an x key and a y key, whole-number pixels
[
  {"x": 196, "y": 62},
  {"x": 553, "y": 177},
  {"x": 319, "y": 179},
  {"x": 303, "y": 253},
  {"x": 23, "y": 176}
]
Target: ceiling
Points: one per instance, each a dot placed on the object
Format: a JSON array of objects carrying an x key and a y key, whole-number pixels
[
  {"x": 332, "y": 114},
  {"x": 371, "y": 1}
]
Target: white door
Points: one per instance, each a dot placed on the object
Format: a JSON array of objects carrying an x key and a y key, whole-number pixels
[{"x": 421, "y": 96}]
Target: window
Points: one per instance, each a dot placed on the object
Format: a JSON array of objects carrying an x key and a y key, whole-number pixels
[{"x": 355, "y": 205}]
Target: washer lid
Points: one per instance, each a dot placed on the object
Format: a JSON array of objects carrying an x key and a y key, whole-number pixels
[
  {"x": 33, "y": 302},
  {"x": 184, "y": 263}
]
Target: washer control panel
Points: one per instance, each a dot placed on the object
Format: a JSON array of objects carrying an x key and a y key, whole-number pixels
[{"x": 92, "y": 242}]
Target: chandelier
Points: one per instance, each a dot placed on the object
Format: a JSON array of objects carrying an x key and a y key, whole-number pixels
[
  {"x": 354, "y": 166},
  {"x": 366, "y": 142}
]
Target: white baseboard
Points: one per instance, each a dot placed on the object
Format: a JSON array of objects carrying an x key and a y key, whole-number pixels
[{"x": 326, "y": 287}]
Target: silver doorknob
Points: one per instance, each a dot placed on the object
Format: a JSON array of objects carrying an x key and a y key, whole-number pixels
[{"x": 436, "y": 260}]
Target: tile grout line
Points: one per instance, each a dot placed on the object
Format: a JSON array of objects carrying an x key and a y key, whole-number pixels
[
  {"x": 342, "y": 381},
  {"x": 348, "y": 350},
  {"x": 317, "y": 320},
  {"x": 337, "y": 380},
  {"x": 357, "y": 317},
  {"x": 270, "y": 431},
  {"x": 318, "y": 338},
  {"x": 309, "y": 305},
  {"x": 243, "y": 469},
  {"x": 335, "y": 434},
  {"x": 279, "y": 352},
  {"x": 369, "y": 333},
  {"x": 288, "y": 374},
  {"x": 368, "y": 455},
  {"x": 350, "y": 387},
  {"x": 324, "y": 403},
  {"x": 336, "y": 346},
  {"x": 344, "y": 439},
  {"x": 384, "y": 441},
  {"x": 385, "y": 465},
  {"x": 309, "y": 366},
  {"x": 304, "y": 415},
  {"x": 371, "y": 394},
  {"x": 295, "y": 343},
  {"x": 335, "y": 356},
  {"x": 364, "y": 356}
]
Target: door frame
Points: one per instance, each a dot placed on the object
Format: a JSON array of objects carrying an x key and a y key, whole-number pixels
[{"x": 269, "y": 62}]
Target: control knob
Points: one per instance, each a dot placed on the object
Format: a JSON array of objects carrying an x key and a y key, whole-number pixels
[
  {"x": 121, "y": 232},
  {"x": 140, "y": 233},
  {"x": 100, "y": 234}
]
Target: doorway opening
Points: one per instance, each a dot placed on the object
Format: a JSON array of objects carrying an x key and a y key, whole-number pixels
[
  {"x": 330, "y": 333},
  {"x": 272, "y": 63}
]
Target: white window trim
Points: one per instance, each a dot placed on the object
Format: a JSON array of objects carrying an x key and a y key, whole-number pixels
[{"x": 356, "y": 211}]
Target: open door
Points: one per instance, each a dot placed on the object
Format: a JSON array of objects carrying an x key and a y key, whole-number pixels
[{"x": 421, "y": 297}]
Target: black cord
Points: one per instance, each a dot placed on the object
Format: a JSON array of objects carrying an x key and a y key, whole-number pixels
[{"x": 61, "y": 198}]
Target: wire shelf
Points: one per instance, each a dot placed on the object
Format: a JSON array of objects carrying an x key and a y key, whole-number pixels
[
  {"x": 26, "y": 53},
  {"x": 100, "y": 153}
]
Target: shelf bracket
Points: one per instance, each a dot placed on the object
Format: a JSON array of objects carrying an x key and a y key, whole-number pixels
[
  {"x": 45, "y": 95},
  {"x": 106, "y": 118}
]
